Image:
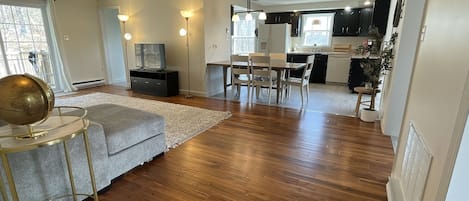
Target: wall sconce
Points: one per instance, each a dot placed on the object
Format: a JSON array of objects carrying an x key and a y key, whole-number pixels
[
  {"x": 262, "y": 15},
  {"x": 185, "y": 32}
]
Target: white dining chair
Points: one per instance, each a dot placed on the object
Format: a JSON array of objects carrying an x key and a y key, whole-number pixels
[
  {"x": 302, "y": 83},
  {"x": 256, "y": 54},
  {"x": 261, "y": 70},
  {"x": 240, "y": 75},
  {"x": 278, "y": 57}
]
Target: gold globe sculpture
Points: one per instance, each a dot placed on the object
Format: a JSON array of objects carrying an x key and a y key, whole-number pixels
[{"x": 25, "y": 100}]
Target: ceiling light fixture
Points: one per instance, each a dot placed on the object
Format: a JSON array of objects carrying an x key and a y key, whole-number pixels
[
  {"x": 367, "y": 3},
  {"x": 348, "y": 8},
  {"x": 262, "y": 15}
]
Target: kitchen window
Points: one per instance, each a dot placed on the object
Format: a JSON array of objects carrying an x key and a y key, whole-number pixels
[
  {"x": 244, "y": 37},
  {"x": 317, "y": 29}
]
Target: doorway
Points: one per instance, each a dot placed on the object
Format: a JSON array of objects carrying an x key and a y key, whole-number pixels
[{"x": 116, "y": 70}]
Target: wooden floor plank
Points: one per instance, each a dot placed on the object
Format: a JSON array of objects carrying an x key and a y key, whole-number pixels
[{"x": 263, "y": 153}]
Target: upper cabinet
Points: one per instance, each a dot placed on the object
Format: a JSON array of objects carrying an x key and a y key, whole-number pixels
[
  {"x": 346, "y": 23},
  {"x": 358, "y": 21},
  {"x": 285, "y": 17},
  {"x": 366, "y": 17},
  {"x": 355, "y": 22},
  {"x": 380, "y": 15}
]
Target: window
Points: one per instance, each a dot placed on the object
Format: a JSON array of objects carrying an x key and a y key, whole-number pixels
[
  {"x": 244, "y": 37},
  {"x": 24, "y": 43},
  {"x": 317, "y": 29}
]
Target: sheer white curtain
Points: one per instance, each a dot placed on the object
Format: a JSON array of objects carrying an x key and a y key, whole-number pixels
[
  {"x": 57, "y": 48},
  {"x": 62, "y": 75}
]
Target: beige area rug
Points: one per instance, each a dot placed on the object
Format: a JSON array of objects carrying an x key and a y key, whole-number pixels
[{"x": 182, "y": 122}]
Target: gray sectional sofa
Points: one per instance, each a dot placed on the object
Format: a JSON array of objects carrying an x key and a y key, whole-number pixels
[{"x": 121, "y": 138}]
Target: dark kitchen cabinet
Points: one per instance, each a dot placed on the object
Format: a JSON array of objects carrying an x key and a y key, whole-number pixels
[
  {"x": 277, "y": 18},
  {"x": 366, "y": 17},
  {"x": 295, "y": 24},
  {"x": 356, "y": 76},
  {"x": 380, "y": 15},
  {"x": 346, "y": 23},
  {"x": 318, "y": 73},
  {"x": 285, "y": 17}
]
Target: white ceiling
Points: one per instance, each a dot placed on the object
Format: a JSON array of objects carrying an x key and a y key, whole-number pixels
[{"x": 287, "y": 2}]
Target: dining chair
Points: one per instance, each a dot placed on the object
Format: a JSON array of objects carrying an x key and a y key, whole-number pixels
[
  {"x": 261, "y": 70},
  {"x": 278, "y": 57},
  {"x": 240, "y": 75},
  {"x": 256, "y": 54},
  {"x": 302, "y": 82}
]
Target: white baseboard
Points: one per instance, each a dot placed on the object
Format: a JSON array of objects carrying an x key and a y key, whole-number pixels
[
  {"x": 194, "y": 93},
  {"x": 393, "y": 190}
]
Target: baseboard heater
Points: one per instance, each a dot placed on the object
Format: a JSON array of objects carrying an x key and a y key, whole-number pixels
[
  {"x": 88, "y": 83},
  {"x": 410, "y": 184}
]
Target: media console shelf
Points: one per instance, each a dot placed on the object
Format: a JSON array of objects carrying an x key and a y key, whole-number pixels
[{"x": 155, "y": 82}]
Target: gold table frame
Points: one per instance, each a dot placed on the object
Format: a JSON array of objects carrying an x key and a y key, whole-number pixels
[{"x": 60, "y": 129}]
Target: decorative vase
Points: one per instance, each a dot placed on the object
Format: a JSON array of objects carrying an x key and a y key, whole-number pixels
[{"x": 368, "y": 115}]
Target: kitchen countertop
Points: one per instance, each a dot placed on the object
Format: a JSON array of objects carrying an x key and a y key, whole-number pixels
[{"x": 353, "y": 56}]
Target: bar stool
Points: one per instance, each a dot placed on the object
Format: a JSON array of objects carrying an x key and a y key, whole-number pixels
[{"x": 361, "y": 91}]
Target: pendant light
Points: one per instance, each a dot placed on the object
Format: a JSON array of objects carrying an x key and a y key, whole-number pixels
[{"x": 261, "y": 16}]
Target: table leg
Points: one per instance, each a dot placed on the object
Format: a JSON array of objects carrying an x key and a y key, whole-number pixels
[
  {"x": 279, "y": 73},
  {"x": 11, "y": 182},
  {"x": 3, "y": 189},
  {"x": 357, "y": 106},
  {"x": 225, "y": 77},
  {"x": 90, "y": 164},
  {"x": 70, "y": 172}
]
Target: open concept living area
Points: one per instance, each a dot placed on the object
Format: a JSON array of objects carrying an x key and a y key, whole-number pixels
[{"x": 246, "y": 100}]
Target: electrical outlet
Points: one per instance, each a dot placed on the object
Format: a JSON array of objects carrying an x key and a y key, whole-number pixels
[{"x": 66, "y": 37}]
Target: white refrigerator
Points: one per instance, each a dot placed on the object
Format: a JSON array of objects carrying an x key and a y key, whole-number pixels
[{"x": 273, "y": 38}]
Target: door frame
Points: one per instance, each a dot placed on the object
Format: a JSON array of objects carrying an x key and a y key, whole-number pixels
[{"x": 107, "y": 50}]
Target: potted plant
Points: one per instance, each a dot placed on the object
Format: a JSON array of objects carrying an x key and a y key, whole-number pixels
[{"x": 372, "y": 69}]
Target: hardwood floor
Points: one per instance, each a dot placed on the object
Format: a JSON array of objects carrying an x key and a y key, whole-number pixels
[{"x": 263, "y": 153}]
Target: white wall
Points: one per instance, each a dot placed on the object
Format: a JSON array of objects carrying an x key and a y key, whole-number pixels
[
  {"x": 458, "y": 186},
  {"x": 217, "y": 25},
  {"x": 159, "y": 21},
  {"x": 406, "y": 49},
  {"x": 436, "y": 91},
  {"x": 83, "y": 52}
]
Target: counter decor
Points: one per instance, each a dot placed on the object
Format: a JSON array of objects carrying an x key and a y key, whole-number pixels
[{"x": 373, "y": 69}]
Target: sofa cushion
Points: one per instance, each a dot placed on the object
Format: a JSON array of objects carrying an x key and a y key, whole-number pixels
[{"x": 125, "y": 127}]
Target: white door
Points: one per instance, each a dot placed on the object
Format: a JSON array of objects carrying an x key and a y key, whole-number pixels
[{"x": 116, "y": 70}]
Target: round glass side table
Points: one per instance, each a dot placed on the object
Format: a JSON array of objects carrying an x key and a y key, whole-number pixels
[{"x": 65, "y": 123}]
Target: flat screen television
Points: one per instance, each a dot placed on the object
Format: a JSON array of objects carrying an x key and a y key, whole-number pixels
[{"x": 150, "y": 55}]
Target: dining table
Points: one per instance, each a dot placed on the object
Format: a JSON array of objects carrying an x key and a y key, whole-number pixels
[{"x": 277, "y": 65}]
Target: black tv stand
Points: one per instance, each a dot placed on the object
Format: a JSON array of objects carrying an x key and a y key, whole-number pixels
[{"x": 154, "y": 81}]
